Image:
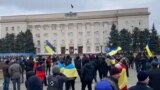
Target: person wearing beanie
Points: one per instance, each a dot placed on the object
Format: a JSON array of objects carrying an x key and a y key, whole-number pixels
[
  {"x": 55, "y": 81},
  {"x": 154, "y": 75},
  {"x": 143, "y": 80}
]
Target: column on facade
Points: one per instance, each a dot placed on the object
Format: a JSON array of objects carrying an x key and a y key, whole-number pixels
[
  {"x": 101, "y": 45},
  {"x": 92, "y": 37},
  {"x": 84, "y": 40},
  {"x": 67, "y": 39},
  {"x": 75, "y": 37}
]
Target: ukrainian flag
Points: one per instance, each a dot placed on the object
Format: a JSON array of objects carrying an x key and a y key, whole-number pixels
[
  {"x": 69, "y": 71},
  {"x": 148, "y": 50},
  {"x": 114, "y": 51},
  {"x": 50, "y": 48}
]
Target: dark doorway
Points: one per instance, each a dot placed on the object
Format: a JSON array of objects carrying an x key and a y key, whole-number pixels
[
  {"x": 63, "y": 50},
  {"x": 80, "y": 50},
  {"x": 71, "y": 50}
]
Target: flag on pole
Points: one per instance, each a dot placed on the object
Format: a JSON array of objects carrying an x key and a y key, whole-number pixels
[
  {"x": 50, "y": 48},
  {"x": 148, "y": 50},
  {"x": 114, "y": 51}
]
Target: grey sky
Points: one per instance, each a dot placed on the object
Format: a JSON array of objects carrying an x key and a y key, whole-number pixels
[{"x": 23, "y": 7}]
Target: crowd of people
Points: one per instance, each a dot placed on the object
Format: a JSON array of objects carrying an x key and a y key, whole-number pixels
[{"x": 60, "y": 72}]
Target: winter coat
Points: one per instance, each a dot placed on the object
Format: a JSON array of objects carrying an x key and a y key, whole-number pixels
[
  {"x": 77, "y": 63},
  {"x": 29, "y": 65},
  {"x": 87, "y": 72},
  {"x": 140, "y": 86},
  {"x": 40, "y": 72},
  {"x": 15, "y": 71},
  {"x": 5, "y": 70},
  {"x": 154, "y": 76},
  {"x": 34, "y": 83},
  {"x": 61, "y": 79}
]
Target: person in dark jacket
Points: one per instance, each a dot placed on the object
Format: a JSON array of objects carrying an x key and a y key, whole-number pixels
[
  {"x": 33, "y": 82},
  {"x": 154, "y": 76},
  {"x": 143, "y": 80},
  {"x": 28, "y": 66},
  {"x": 55, "y": 81},
  {"x": 78, "y": 64},
  {"x": 103, "y": 69},
  {"x": 6, "y": 75},
  {"x": 87, "y": 75}
]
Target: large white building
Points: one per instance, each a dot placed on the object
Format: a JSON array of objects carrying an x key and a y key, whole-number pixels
[{"x": 80, "y": 32}]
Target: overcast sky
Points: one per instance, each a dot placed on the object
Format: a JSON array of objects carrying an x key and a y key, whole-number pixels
[{"x": 25, "y": 7}]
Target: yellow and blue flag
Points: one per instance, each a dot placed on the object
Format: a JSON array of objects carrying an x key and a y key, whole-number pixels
[
  {"x": 50, "y": 48},
  {"x": 114, "y": 51},
  {"x": 69, "y": 71},
  {"x": 148, "y": 50}
]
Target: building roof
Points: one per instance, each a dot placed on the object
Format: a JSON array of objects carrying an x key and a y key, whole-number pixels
[{"x": 75, "y": 15}]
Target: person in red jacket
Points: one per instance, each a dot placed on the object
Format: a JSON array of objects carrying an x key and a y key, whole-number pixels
[
  {"x": 40, "y": 72},
  {"x": 48, "y": 64}
]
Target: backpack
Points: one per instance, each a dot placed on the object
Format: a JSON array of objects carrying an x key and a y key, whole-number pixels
[{"x": 53, "y": 83}]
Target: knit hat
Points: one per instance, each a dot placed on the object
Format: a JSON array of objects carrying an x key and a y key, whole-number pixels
[
  {"x": 103, "y": 85},
  {"x": 114, "y": 70},
  {"x": 55, "y": 70},
  {"x": 142, "y": 76}
]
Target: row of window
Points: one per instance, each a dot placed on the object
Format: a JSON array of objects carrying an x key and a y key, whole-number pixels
[
  {"x": 71, "y": 34},
  {"x": 70, "y": 26},
  {"x": 12, "y": 28}
]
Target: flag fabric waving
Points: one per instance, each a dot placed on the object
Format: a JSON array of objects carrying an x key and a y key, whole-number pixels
[
  {"x": 69, "y": 71},
  {"x": 50, "y": 48},
  {"x": 148, "y": 50},
  {"x": 114, "y": 51}
]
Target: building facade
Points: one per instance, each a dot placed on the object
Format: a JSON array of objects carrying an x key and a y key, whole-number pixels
[{"x": 80, "y": 32}]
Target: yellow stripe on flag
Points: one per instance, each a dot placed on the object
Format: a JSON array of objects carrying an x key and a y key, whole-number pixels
[
  {"x": 49, "y": 50},
  {"x": 149, "y": 51}
]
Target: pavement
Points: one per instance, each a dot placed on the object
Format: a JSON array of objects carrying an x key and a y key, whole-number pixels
[{"x": 131, "y": 81}]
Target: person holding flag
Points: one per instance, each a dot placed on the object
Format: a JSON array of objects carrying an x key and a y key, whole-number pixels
[
  {"x": 70, "y": 72},
  {"x": 123, "y": 80}
]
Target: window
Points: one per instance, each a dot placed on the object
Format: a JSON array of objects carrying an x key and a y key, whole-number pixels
[
  {"x": 6, "y": 28},
  {"x": 62, "y": 27},
  {"x": 53, "y": 26},
  {"x": 38, "y": 43},
  {"x": 38, "y": 50},
  {"x": 70, "y": 34},
  {"x": 97, "y": 49},
  {"x": 80, "y": 33},
  {"x": 79, "y": 41},
  {"x": 63, "y": 42},
  {"x": 88, "y": 49},
  {"x": 12, "y": 28},
  {"x": 88, "y": 26},
  {"x": 96, "y": 33},
  {"x": 97, "y": 40}
]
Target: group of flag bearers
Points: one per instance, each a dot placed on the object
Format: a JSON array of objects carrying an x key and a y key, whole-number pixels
[{"x": 70, "y": 72}]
